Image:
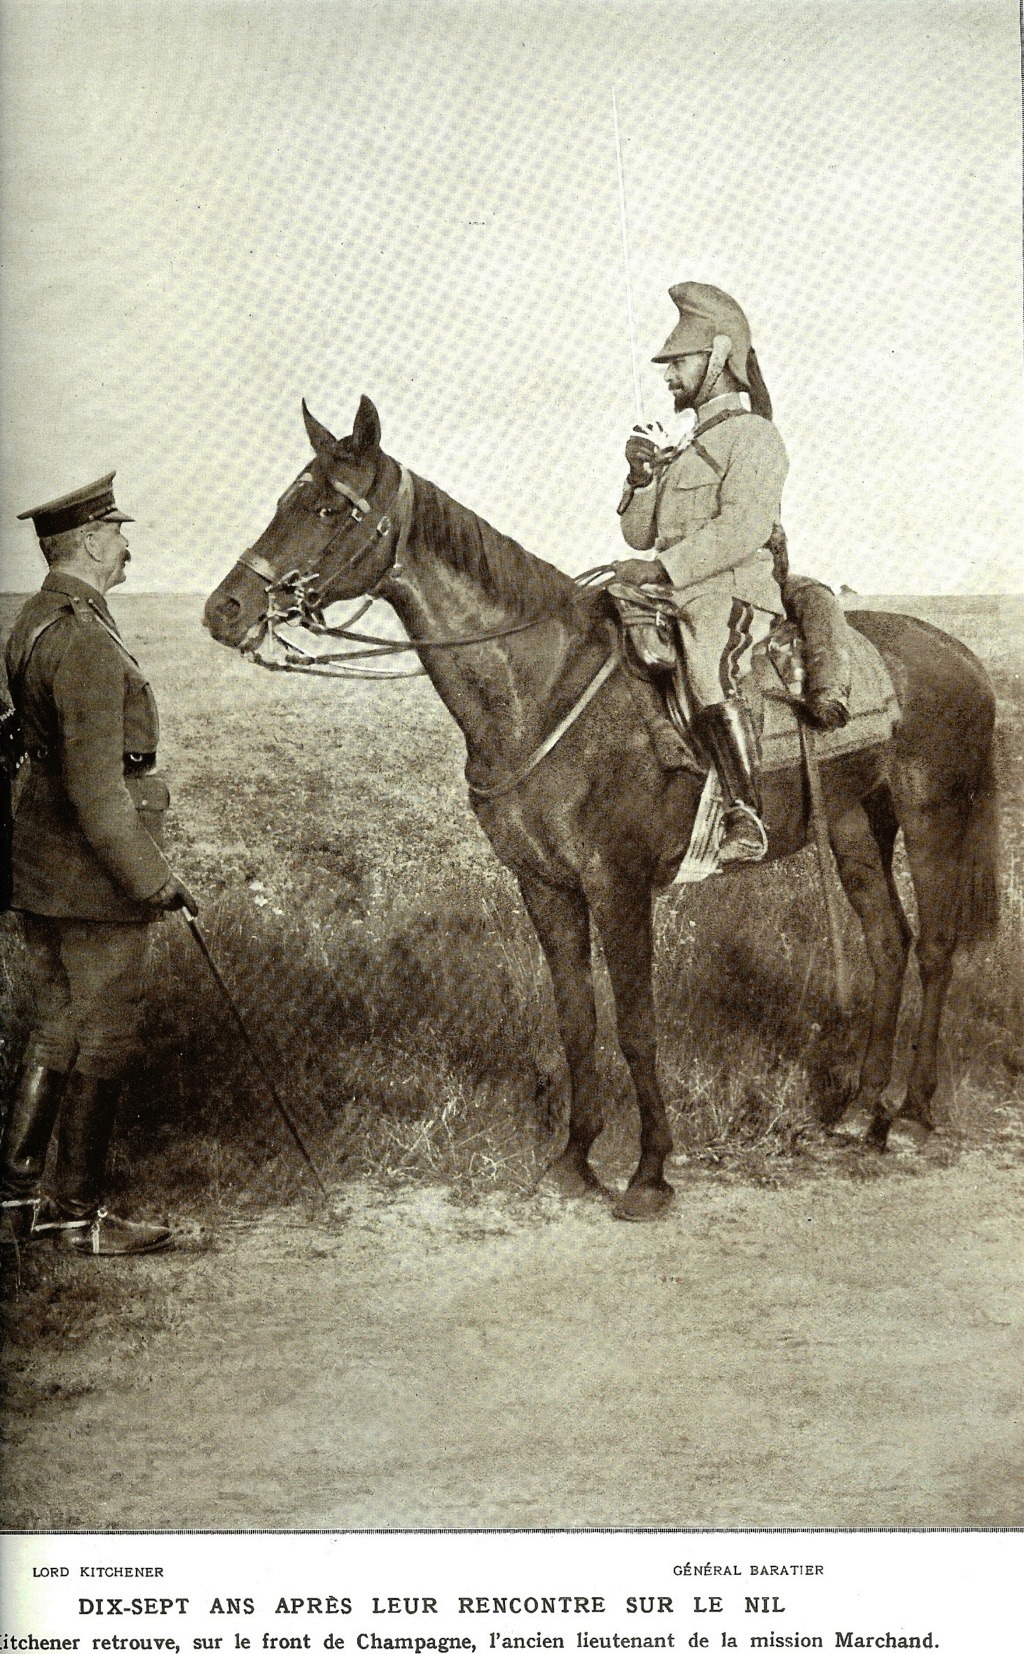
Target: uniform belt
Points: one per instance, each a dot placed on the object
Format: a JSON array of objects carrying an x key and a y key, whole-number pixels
[{"x": 135, "y": 763}]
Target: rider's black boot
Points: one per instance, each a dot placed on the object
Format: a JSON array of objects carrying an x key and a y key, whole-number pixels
[{"x": 727, "y": 730}]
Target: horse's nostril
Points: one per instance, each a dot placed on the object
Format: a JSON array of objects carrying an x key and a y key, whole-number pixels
[{"x": 220, "y": 615}]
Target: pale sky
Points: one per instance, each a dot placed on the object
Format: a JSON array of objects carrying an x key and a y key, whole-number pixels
[{"x": 213, "y": 209}]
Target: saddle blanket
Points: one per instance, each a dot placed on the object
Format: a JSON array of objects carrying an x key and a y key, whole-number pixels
[
  {"x": 874, "y": 709},
  {"x": 777, "y": 677}
]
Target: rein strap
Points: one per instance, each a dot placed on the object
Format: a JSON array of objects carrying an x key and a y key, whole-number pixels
[{"x": 596, "y": 683}]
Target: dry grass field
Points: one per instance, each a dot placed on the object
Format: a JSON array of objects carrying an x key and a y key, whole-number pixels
[
  {"x": 384, "y": 963},
  {"x": 383, "y": 958}
]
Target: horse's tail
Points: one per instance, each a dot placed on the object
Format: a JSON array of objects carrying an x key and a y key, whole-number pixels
[{"x": 977, "y": 912}]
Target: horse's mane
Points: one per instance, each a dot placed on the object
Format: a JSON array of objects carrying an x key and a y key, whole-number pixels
[{"x": 523, "y": 583}]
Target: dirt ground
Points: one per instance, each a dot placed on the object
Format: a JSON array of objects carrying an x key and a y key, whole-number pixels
[{"x": 841, "y": 1353}]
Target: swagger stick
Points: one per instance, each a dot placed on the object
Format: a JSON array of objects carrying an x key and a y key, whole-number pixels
[
  {"x": 283, "y": 1110},
  {"x": 637, "y": 396}
]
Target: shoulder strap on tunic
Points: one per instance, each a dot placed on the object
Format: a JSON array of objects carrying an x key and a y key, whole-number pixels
[
  {"x": 30, "y": 643},
  {"x": 111, "y": 631},
  {"x": 699, "y": 448},
  {"x": 84, "y": 611}
]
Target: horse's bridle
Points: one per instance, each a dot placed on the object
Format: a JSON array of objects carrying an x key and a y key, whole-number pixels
[
  {"x": 300, "y": 596},
  {"x": 358, "y": 509}
]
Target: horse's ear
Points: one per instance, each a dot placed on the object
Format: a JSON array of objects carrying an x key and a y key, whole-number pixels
[
  {"x": 320, "y": 437},
  {"x": 366, "y": 428}
]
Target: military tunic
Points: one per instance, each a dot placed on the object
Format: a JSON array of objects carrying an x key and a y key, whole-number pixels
[
  {"x": 89, "y": 817},
  {"x": 709, "y": 516},
  {"x": 85, "y": 844}
]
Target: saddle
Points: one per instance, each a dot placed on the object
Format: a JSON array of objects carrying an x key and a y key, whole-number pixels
[{"x": 812, "y": 651}]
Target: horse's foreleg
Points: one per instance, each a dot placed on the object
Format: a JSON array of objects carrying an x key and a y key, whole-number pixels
[
  {"x": 865, "y": 866},
  {"x": 624, "y": 919},
  {"x": 561, "y": 919}
]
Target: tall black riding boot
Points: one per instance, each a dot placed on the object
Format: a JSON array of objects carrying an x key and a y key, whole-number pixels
[
  {"x": 728, "y": 732},
  {"x": 26, "y": 1138},
  {"x": 83, "y": 1142},
  {"x": 86, "y": 1125}
]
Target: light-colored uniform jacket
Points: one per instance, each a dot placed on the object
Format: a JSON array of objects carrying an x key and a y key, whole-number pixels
[{"x": 710, "y": 530}]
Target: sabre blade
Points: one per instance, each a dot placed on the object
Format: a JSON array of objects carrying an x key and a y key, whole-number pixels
[{"x": 637, "y": 394}]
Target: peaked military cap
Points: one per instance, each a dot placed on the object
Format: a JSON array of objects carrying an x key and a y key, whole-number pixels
[{"x": 92, "y": 504}]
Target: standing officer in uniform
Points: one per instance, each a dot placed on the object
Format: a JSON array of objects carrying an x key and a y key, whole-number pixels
[
  {"x": 88, "y": 875},
  {"x": 709, "y": 508}
]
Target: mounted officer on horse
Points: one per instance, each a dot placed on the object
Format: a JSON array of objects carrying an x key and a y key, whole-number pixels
[{"x": 710, "y": 506}]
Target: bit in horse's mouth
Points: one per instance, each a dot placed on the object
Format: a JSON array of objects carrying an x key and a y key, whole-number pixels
[{"x": 251, "y": 642}]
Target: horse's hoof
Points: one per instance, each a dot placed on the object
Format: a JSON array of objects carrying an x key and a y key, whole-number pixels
[
  {"x": 909, "y": 1129},
  {"x": 853, "y": 1125},
  {"x": 916, "y": 1114},
  {"x": 644, "y": 1203},
  {"x": 878, "y": 1133},
  {"x": 573, "y": 1181}
]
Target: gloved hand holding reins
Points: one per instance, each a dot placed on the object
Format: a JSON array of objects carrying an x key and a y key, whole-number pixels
[{"x": 641, "y": 571}]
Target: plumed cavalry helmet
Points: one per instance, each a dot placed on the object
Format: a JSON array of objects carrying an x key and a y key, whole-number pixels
[{"x": 707, "y": 319}]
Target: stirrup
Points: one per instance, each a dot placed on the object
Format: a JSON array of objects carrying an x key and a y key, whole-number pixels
[{"x": 754, "y": 855}]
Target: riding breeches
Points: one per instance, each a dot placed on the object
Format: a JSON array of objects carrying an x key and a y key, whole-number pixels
[
  {"x": 87, "y": 986},
  {"x": 719, "y": 631}
]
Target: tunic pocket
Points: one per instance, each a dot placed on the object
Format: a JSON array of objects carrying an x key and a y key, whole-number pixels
[
  {"x": 150, "y": 795},
  {"x": 698, "y": 496},
  {"x": 691, "y": 497}
]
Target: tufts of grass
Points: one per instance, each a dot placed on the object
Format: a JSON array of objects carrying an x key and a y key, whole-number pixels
[
  {"x": 408, "y": 1039},
  {"x": 413, "y": 1037},
  {"x": 397, "y": 994}
]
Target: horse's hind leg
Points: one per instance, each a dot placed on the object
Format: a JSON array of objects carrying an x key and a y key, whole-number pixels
[
  {"x": 863, "y": 841},
  {"x": 623, "y": 917},
  {"x": 561, "y": 919},
  {"x": 933, "y": 838},
  {"x": 881, "y": 815}
]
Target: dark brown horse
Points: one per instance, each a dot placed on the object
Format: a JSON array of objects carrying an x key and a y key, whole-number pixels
[{"x": 596, "y": 826}]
